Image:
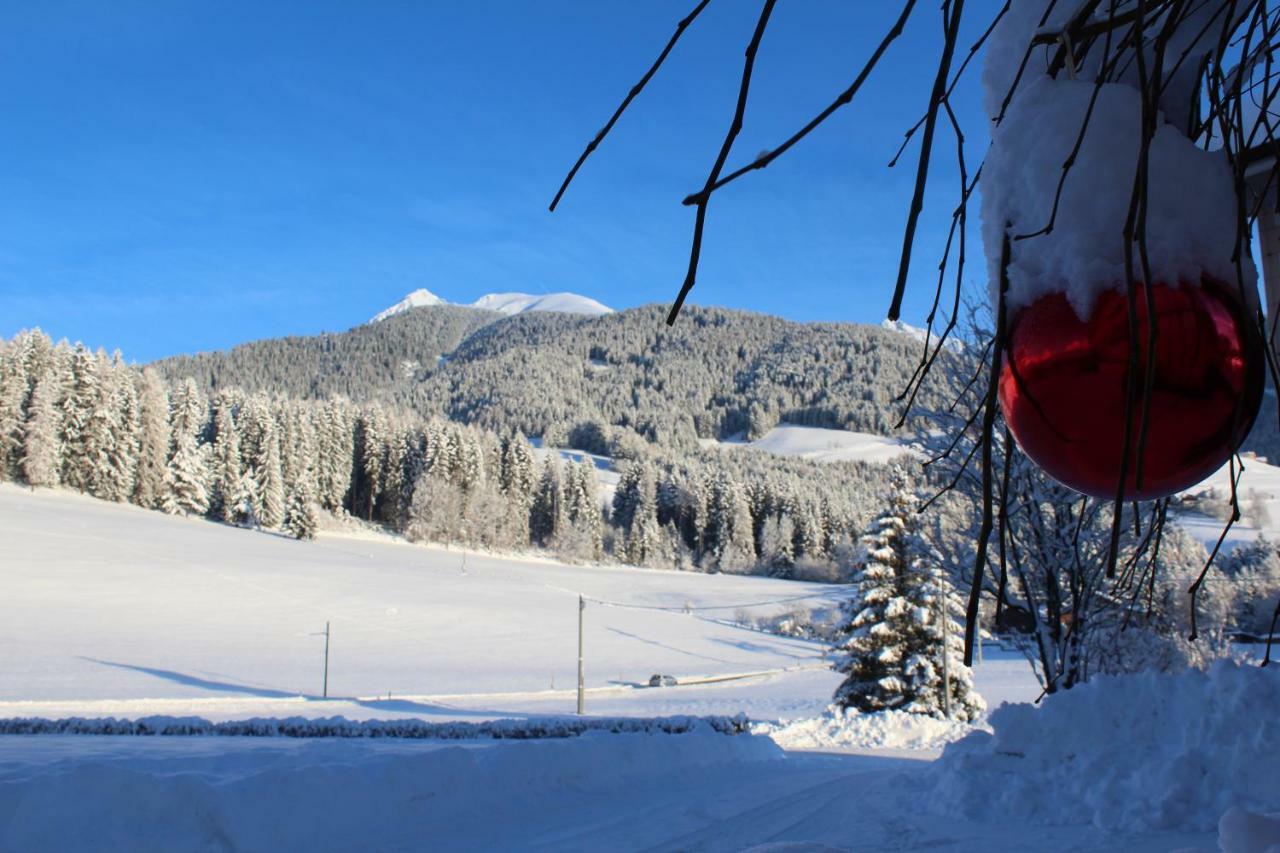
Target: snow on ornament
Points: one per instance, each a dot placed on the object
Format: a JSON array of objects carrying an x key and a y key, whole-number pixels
[
  {"x": 1069, "y": 346},
  {"x": 1063, "y": 388}
]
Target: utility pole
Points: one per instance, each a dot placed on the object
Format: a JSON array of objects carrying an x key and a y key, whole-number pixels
[
  {"x": 582, "y": 606},
  {"x": 946, "y": 652},
  {"x": 326, "y": 661}
]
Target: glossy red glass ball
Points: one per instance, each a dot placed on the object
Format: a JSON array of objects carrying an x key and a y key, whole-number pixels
[{"x": 1062, "y": 388}]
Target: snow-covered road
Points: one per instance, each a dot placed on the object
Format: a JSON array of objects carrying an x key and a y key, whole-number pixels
[{"x": 700, "y": 791}]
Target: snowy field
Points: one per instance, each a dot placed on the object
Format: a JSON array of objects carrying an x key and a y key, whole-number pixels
[
  {"x": 1259, "y": 486},
  {"x": 116, "y": 611},
  {"x": 819, "y": 444}
]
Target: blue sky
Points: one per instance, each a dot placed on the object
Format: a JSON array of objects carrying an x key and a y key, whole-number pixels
[{"x": 185, "y": 176}]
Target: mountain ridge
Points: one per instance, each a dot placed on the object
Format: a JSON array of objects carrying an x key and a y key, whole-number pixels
[
  {"x": 508, "y": 303},
  {"x": 592, "y": 381}
]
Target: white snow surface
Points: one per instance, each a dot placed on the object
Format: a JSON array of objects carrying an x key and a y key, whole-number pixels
[
  {"x": 518, "y": 303},
  {"x": 505, "y": 303},
  {"x": 696, "y": 791},
  {"x": 1191, "y": 221},
  {"x": 1145, "y": 752},
  {"x": 821, "y": 445},
  {"x": 417, "y": 299},
  {"x": 112, "y": 610},
  {"x": 838, "y": 729},
  {"x": 1259, "y": 485}
]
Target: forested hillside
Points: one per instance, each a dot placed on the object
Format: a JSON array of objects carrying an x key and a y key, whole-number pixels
[
  {"x": 87, "y": 421},
  {"x": 592, "y": 382},
  {"x": 361, "y": 364}
]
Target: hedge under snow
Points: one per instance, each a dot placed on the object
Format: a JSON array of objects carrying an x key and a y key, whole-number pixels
[
  {"x": 1138, "y": 752},
  {"x": 340, "y": 727}
]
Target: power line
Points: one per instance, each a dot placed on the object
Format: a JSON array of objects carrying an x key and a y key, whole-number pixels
[{"x": 691, "y": 608}]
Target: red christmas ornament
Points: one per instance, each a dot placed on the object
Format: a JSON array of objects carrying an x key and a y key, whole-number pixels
[{"x": 1062, "y": 388}]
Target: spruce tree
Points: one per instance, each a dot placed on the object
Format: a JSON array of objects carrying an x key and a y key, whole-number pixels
[
  {"x": 116, "y": 433},
  {"x": 14, "y": 388},
  {"x": 228, "y": 491},
  {"x": 154, "y": 439},
  {"x": 187, "y": 476},
  {"x": 302, "y": 519},
  {"x": 891, "y": 648},
  {"x": 78, "y": 405},
  {"x": 42, "y": 439},
  {"x": 546, "y": 516}
]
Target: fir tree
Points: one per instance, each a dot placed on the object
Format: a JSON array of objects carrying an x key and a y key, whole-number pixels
[
  {"x": 302, "y": 517},
  {"x": 14, "y": 387},
  {"x": 42, "y": 440},
  {"x": 78, "y": 405},
  {"x": 186, "y": 478},
  {"x": 228, "y": 489},
  {"x": 891, "y": 649},
  {"x": 546, "y": 516},
  {"x": 115, "y": 430},
  {"x": 154, "y": 439}
]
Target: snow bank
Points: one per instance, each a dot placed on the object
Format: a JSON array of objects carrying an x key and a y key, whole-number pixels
[
  {"x": 1241, "y": 831},
  {"x": 840, "y": 729},
  {"x": 334, "y": 797},
  {"x": 303, "y": 727},
  {"x": 1133, "y": 753}
]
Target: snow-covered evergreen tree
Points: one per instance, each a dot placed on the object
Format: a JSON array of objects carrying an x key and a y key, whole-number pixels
[
  {"x": 891, "y": 648},
  {"x": 115, "y": 429},
  {"x": 371, "y": 450},
  {"x": 228, "y": 490},
  {"x": 260, "y": 451},
  {"x": 186, "y": 477},
  {"x": 546, "y": 516},
  {"x": 154, "y": 440},
  {"x": 517, "y": 481},
  {"x": 583, "y": 535},
  {"x": 302, "y": 517},
  {"x": 42, "y": 439},
  {"x": 728, "y": 538},
  {"x": 336, "y": 448},
  {"x": 14, "y": 392},
  {"x": 78, "y": 405}
]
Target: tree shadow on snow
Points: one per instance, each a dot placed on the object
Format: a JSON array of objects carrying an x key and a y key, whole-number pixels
[
  {"x": 761, "y": 648},
  {"x": 647, "y": 641},
  {"x": 404, "y": 706}
]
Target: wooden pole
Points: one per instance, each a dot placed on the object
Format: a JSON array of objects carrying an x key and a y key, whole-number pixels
[
  {"x": 582, "y": 606},
  {"x": 326, "y": 661}
]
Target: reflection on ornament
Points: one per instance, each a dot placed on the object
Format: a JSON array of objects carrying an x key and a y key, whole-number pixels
[{"x": 1062, "y": 388}]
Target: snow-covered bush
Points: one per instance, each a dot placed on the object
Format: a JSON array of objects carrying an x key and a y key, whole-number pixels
[
  {"x": 1253, "y": 572},
  {"x": 1150, "y": 627}
]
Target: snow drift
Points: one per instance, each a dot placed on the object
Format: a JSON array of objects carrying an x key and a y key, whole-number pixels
[
  {"x": 1133, "y": 753},
  {"x": 840, "y": 729},
  {"x": 329, "y": 797}
]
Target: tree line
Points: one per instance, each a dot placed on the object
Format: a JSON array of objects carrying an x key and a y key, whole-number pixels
[{"x": 88, "y": 421}]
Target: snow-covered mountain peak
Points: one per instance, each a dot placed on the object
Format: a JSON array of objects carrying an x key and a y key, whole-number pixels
[
  {"x": 518, "y": 303},
  {"x": 506, "y": 303},
  {"x": 416, "y": 299}
]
